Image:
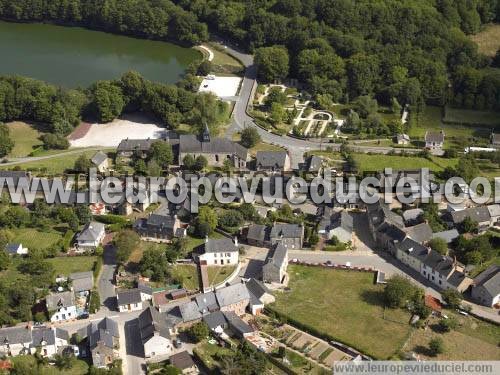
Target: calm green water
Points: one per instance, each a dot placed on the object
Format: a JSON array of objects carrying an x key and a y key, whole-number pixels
[{"x": 74, "y": 57}]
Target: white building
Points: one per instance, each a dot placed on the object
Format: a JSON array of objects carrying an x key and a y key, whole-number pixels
[
  {"x": 15, "y": 340},
  {"x": 61, "y": 306},
  {"x": 16, "y": 249},
  {"x": 218, "y": 252},
  {"x": 129, "y": 300},
  {"x": 90, "y": 237},
  {"x": 155, "y": 335},
  {"x": 100, "y": 161},
  {"x": 434, "y": 140},
  {"x": 48, "y": 340}
]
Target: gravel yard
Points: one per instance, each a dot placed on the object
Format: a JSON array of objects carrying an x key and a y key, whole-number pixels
[{"x": 223, "y": 87}]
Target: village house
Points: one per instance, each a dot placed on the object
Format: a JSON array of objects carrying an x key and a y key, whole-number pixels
[
  {"x": 129, "y": 300},
  {"x": 421, "y": 232},
  {"x": 15, "y": 340},
  {"x": 313, "y": 165},
  {"x": 434, "y": 140},
  {"x": 272, "y": 161},
  {"x": 160, "y": 225},
  {"x": 190, "y": 312},
  {"x": 90, "y": 237},
  {"x": 259, "y": 296},
  {"x": 403, "y": 139},
  {"x": 480, "y": 215},
  {"x": 338, "y": 224},
  {"x": 103, "y": 340},
  {"x": 82, "y": 282},
  {"x": 216, "y": 322},
  {"x": 385, "y": 226},
  {"x": 217, "y": 252},
  {"x": 238, "y": 326},
  {"x": 411, "y": 253},
  {"x": 48, "y": 340},
  {"x": 215, "y": 150},
  {"x": 258, "y": 235},
  {"x": 447, "y": 235},
  {"x": 130, "y": 147},
  {"x": 445, "y": 272},
  {"x": 61, "y": 306},
  {"x": 289, "y": 235},
  {"x": 16, "y": 249},
  {"x": 155, "y": 335},
  {"x": 413, "y": 216},
  {"x": 494, "y": 210},
  {"x": 184, "y": 362},
  {"x": 100, "y": 161},
  {"x": 274, "y": 269},
  {"x": 486, "y": 287},
  {"x": 233, "y": 298},
  {"x": 207, "y": 302}
]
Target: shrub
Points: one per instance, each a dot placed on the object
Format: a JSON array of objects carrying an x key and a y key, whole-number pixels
[{"x": 436, "y": 346}]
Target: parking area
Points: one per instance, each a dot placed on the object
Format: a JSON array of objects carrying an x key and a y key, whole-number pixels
[{"x": 223, "y": 87}]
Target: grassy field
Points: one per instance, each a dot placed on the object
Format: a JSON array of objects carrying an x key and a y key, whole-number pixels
[
  {"x": 345, "y": 305},
  {"x": 368, "y": 162},
  {"x": 488, "y": 40},
  {"x": 472, "y": 340},
  {"x": 210, "y": 354},
  {"x": 218, "y": 274},
  {"x": 34, "y": 239},
  {"x": 187, "y": 275},
  {"x": 221, "y": 57},
  {"x": 29, "y": 361},
  {"x": 67, "y": 265},
  {"x": 470, "y": 117},
  {"x": 26, "y": 138},
  {"x": 56, "y": 165}
]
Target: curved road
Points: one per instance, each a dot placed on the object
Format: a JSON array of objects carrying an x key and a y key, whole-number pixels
[{"x": 296, "y": 147}]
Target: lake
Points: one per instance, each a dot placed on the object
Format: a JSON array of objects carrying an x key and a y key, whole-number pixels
[{"x": 73, "y": 56}]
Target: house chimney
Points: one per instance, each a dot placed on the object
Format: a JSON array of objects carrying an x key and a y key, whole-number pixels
[
  {"x": 206, "y": 239},
  {"x": 235, "y": 241}
]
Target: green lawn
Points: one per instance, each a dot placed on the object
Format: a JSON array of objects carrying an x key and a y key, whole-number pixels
[
  {"x": 26, "y": 138},
  {"x": 218, "y": 274},
  {"x": 80, "y": 367},
  {"x": 347, "y": 306},
  {"x": 35, "y": 239},
  {"x": 187, "y": 275},
  {"x": 211, "y": 354},
  {"x": 471, "y": 117},
  {"x": 368, "y": 162},
  {"x": 487, "y": 40},
  {"x": 67, "y": 265}
]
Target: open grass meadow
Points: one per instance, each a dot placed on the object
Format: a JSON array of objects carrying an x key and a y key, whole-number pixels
[
  {"x": 488, "y": 40},
  {"x": 26, "y": 139},
  {"x": 345, "y": 305},
  {"x": 370, "y": 163},
  {"x": 471, "y": 117},
  {"x": 67, "y": 265},
  {"x": 35, "y": 239}
]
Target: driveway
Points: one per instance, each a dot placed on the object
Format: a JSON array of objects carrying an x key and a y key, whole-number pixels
[{"x": 106, "y": 286}]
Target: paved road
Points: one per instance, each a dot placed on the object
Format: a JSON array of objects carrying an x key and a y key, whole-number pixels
[{"x": 52, "y": 156}]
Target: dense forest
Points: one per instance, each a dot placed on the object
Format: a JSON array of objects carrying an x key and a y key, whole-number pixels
[{"x": 414, "y": 51}]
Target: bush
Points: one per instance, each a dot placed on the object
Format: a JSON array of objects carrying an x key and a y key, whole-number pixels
[
  {"x": 446, "y": 325},
  {"x": 452, "y": 298},
  {"x": 436, "y": 346},
  {"x": 95, "y": 302},
  {"x": 199, "y": 331}
]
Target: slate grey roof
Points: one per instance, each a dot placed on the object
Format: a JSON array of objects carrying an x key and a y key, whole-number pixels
[
  {"x": 144, "y": 287},
  {"x": 215, "y": 319},
  {"x": 126, "y": 296},
  {"x": 257, "y": 232},
  {"x": 456, "y": 278},
  {"x": 190, "y": 143},
  {"x": 314, "y": 163},
  {"x": 494, "y": 210},
  {"x": 128, "y": 145},
  {"x": 489, "y": 279},
  {"x": 103, "y": 331},
  {"x": 15, "y": 335},
  {"x": 278, "y": 256},
  {"x": 392, "y": 231},
  {"x": 271, "y": 159},
  {"x": 256, "y": 288},
  {"x": 436, "y": 137},
  {"x": 413, "y": 249},
  {"x": 286, "y": 231},
  {"x": 151, "y": 321},
  {"x": 237, "y": 323},
  {"x": 420, "y": 232},
  {"x": 55, "y": 301},
  {"x": 447, "y": 235},
  {"x": 91, "y": 231},
  {"x": 182, "y": 360},
  {"x": 478, "y": 214},
  {"x": 189, "y": 311},
  {"x": 82, "y": 281},
  {"x": 99, "y": 158},
  {"x": 232, "y": 294},
  {"x": 44, "y": 335},
  {"x": 206, "y": 302},
  {"x": 224, "y": 245},
  {"x": 62, "y": 334},
  {"x": 344, "y": 220},
  {"x": 440, "y": 263},
  {"x": 412, "y": 214},
  {"x": 379, "y": 213},
  {"x": 12, "y": 248}
]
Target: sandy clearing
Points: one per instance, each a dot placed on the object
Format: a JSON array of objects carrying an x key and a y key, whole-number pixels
[
  {"x": 110, "y": 134},
  {"x": 223, "y": 87}
]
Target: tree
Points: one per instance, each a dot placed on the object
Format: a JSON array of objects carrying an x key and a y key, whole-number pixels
[
  {"x": 188, "y": 162},
  {"x": 199, "y": 331},
  {"x": 249, "y": 137},
  {"x": 446, "y": 325},
  {"x": 277, "y": 113},
  {"x": 64, "y": 361},
  {"x": 202, "y": 229},
  {"x": 95, "y": 301},
  {"x": 161, "y": 152},
  {"x": 55, "y": 142},
  {"x": 468, "y": 225},
  {"x": 82, "y": 164},
  {"x": 6, "y": 143},
  {"x": 40, "y": 271},
  {"x": 209, "y": 216},
  {"x": 439, "y": 245},
  {"x": 108, "y": 100},
  {"x": 125, "y": 242},
  {"x": 83, "y": 213},
  {"x": 366, "y": 106},
  {"x": 272, "y": 63},
  {"x": 395, "y": 106},
  {"x": 154, "y": 263},
  {"x": 4, "y": 257},
  {"x": 200, "y": 163},
  {"x": 248, "y": 211},
  {"x": 398, "y": 291},
  {"x": 452, "y": 297},
  {"x": 436, "y": 346},
  {"x": 230, "y": 219}
]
